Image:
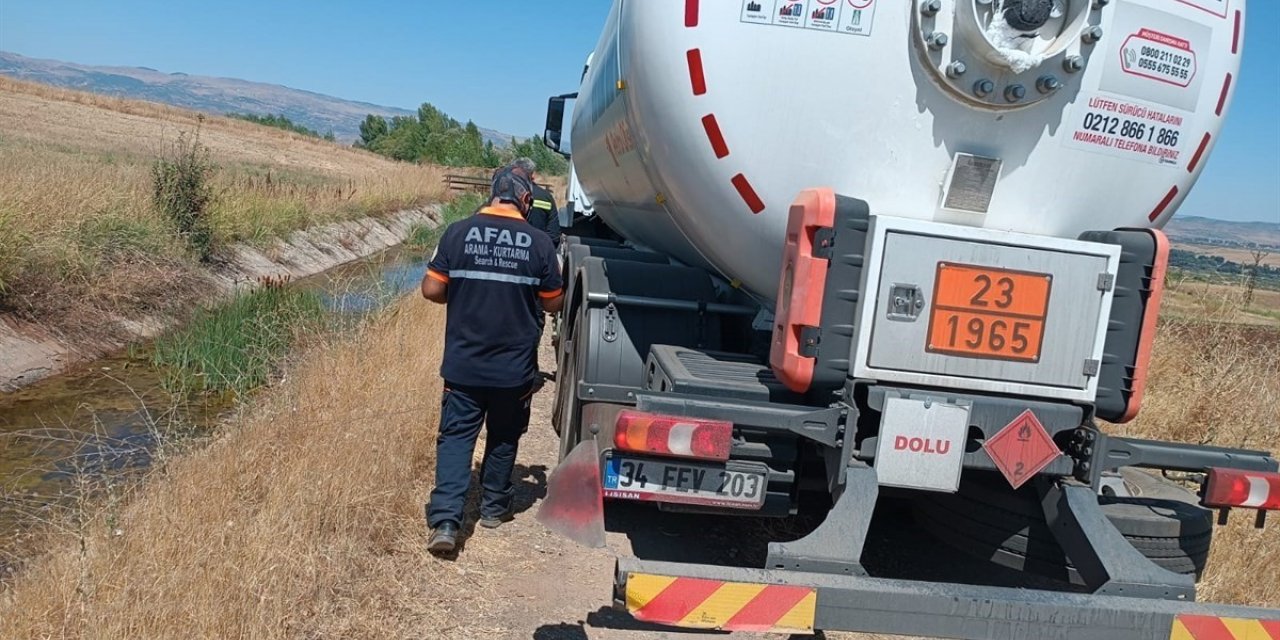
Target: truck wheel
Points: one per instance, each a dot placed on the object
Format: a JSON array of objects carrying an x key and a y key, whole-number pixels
[{"x": 987, "y": 519}]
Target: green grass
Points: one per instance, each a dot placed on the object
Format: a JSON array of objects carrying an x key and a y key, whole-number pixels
[
  {"x": 425, "y": 237},
  {"x": 238, "y": 346},
  {"x": 115, "y": 237}
]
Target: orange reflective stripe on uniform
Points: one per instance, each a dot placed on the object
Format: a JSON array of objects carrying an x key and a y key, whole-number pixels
[
  {"x": 716, "y": 604},
  {"x": 1188, "y": 627},
  {"x": 502, "y": 213},
  {"x": 436, "y": 275},
  {"x": 550, "y": 294}
]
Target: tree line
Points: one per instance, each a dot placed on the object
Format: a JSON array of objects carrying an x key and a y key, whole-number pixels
[
  {"x": 1199, "y": 264},
  {"x": 433, "y": 137},
  {"x": 282, "y": 122}
]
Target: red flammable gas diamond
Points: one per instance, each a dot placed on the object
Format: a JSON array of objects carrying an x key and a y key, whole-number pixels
[{"x": 1022, "y": 449}]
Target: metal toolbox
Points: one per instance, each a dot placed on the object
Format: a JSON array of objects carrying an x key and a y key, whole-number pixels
[{"x": 983, "y": 310}]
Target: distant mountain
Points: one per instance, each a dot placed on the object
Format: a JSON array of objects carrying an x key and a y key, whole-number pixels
[
  {"x": 212, "y": 95},
  {"x": 1223, "y": 233}
]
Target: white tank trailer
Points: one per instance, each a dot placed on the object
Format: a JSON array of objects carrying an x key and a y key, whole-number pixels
[
  {"x": 907, "y": 250},
  {"x": 693, "y": 140}
]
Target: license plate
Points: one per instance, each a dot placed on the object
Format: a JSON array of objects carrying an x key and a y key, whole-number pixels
[
  {"x": 682, "y": 482},
  {"x": 984, "y": 312}
]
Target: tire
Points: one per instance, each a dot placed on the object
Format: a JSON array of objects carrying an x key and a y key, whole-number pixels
[{"x": 988, "y": 520}]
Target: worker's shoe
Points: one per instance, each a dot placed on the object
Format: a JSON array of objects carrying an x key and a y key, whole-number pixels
[
  {"x": 493, "y": 522},
  {"x": 444, "y": 538}
]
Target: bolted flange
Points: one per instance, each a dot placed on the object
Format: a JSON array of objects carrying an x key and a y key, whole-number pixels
[{"x": 1048, "y": 84}]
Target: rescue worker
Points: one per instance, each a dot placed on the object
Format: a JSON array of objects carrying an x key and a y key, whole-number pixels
[
  {"x": 543, "y": 214},
  {"x": 497, "y": 276}
]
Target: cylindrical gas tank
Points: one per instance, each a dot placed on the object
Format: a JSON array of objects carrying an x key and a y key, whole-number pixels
[{"x": 698, "y": 122}]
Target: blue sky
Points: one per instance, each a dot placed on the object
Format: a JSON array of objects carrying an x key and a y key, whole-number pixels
[{"x": 496, "y": 62}]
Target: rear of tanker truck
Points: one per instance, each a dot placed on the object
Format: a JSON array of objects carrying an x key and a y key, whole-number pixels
[{"x": 856, "y": 248}]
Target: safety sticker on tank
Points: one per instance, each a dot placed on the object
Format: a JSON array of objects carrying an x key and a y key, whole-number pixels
[
  {"x": 1129, "y": 129},
  {"x": 1156, "y": 56},
  {"x": 852, "y": 17}
]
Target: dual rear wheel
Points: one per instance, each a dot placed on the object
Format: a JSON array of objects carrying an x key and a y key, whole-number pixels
[{"x": 987, "y": 519}]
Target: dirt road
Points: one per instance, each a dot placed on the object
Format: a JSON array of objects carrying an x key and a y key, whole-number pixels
[{"x": 522, "y": 581}]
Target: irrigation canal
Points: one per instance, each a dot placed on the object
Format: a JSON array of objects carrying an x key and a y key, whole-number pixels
[{"x": 95, "y": 426}]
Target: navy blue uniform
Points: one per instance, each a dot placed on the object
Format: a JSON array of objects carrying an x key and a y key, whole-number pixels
[{"x": 496, "y": 266}]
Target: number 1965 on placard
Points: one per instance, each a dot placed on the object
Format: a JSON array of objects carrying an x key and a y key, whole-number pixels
[{"x": 985, "y": 312}]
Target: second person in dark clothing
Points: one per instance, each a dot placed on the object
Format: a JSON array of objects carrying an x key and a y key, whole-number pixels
[{"x": 543, "y": 214}]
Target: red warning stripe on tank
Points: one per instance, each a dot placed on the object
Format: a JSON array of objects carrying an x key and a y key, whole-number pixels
[
  {"x": 1164, "y": 204},
  {"x": 1222, "y": 98},
  {"x": 1195, "y": 159},
  {"x": 748, "y": 193},
  {"x": 714, "y": 135},
  {"x": 1235, "y": 39},
  {"x": 697, "y": 78},
  {"x": 698, "y": 82}
]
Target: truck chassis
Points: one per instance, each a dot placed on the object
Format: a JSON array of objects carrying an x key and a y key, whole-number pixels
[{"x": 641, "y": 334}]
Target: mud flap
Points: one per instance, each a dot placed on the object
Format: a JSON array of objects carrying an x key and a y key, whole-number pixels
[{"x": 574, "y": 506}]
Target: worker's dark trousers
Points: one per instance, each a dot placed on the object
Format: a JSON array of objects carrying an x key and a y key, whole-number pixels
[{"x": 505, "y": 412}]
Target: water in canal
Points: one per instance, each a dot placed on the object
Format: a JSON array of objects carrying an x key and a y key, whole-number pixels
[{"x": 99, "y": 424}]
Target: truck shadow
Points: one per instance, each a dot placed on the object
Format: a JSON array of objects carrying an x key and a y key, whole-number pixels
[
  {"x": 609, "y": 618},
  {"x": 897, "y": 547}
]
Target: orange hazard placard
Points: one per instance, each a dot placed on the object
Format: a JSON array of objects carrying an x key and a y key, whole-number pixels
[{"x": 986, "y": 312}]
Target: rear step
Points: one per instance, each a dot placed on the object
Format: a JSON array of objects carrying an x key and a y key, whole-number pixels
[{"x": 713, "y": 374}]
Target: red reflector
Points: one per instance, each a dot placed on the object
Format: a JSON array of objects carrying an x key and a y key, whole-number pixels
[
  {"x": 673, "y": 435},
  {"x": 1249, "y": 489}
]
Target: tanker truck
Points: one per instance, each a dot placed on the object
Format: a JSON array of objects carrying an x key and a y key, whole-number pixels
[{"x": 832, "y": 251}]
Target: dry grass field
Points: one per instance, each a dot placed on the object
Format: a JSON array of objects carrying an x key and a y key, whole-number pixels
[
  {"x": 76, "y": 218},
  {"x": 303, "y": 519},
  {"x": 297, "y": 522},
  {"x": 1214, "y": 381},
  {"x": 1189, "y": 299}
]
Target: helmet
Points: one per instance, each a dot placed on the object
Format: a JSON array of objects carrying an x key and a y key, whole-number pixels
[{"x": 513, "y": 187}]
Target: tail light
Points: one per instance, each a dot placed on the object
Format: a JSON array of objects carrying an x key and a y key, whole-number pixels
[
  {"x": 1248, "y": 489},
  {"x": 677, "y": 436}
]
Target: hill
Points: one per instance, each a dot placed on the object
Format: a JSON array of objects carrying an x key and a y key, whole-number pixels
[
  {"x": 218, "y": 96},
  {"x": 1195, "y": 230}
]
